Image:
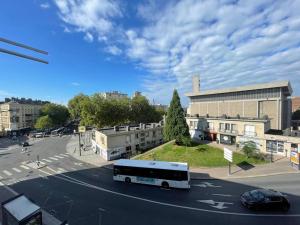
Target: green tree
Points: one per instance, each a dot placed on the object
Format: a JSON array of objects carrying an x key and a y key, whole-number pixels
[
  {"x": 249, "y": 149},
  {"x": 296, "y": 115},
  {"x": 176, "y": 126},
  {"x": 75, "y": 105},
  {"x": 59, "y": 114},
  {"x": 142, "y": 112},
  {"x": 44, "y": 122}
]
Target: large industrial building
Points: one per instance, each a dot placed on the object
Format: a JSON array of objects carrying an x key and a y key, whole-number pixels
[
  {"x": 255, "y": 101},
  {"x": 260, "y": 114}
]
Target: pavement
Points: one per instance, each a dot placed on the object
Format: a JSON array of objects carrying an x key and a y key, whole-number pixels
[{"x": 281, "y": 165}]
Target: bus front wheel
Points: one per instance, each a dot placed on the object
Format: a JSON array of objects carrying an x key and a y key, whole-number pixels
[
  {"x": 127, "y": 180},
  {"x": 165, "y": 184}
]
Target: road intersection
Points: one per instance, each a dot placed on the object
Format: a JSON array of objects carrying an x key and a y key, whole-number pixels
[{"x": 75, "y": 191}]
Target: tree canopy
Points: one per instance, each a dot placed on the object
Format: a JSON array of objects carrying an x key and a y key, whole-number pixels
[
  {"x": 44, "y": 122},
  {"x": 176, "y": 126},
  {"x": 53, "y": 114},
  {"x": 98, "y": 111}
]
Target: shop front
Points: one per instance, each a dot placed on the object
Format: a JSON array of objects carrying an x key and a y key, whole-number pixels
[{"x": 227, "y": 139}]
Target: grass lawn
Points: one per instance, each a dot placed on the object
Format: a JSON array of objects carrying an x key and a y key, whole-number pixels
[{"x": 201, "y": 155}]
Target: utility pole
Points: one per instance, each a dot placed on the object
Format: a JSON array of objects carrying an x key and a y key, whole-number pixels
[{"x": 79, "y": 143}]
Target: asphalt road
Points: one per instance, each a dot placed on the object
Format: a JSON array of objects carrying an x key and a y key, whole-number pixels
[{"x": 83, "y": 194}]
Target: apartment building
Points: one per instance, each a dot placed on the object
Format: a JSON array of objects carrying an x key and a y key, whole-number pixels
[
  {"x": 259, "y": 113},
  {"x": 230, "y": 130},
  {"x": 114, "y": 95},
  {"x": 123, "y": 141},
  {"x": 254, "y": 101},
  {"x": 17, "y": 115}
]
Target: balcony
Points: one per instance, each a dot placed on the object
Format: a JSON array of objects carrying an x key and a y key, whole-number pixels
[{"x": 228, "y": 131}]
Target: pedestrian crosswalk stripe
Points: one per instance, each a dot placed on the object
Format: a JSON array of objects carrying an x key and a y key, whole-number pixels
[
  {"x": 61, "y": 169},
  {"x": 17, "y": 170},
  {"x": 25, "y": 167},
  {"x": 53, "y": 158},
  {"x": 57, "y": 156},
  {"x": 42, "y": 163},
  {"x": 7, "y": 172},
  {"x": 64, "y": 155},
  {"x": 46, "y": 160}
]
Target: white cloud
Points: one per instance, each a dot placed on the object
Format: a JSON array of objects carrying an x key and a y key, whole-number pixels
[
  {"x": 75, "y": 84},
  {"x": 229, "y": 43},
  {"x": 114, "y": 50},
  {"x": 88, "y": 37},
  {"x": 45, "y": 5}
]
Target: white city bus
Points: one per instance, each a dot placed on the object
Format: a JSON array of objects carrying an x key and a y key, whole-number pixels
[{"x": 165, "y": 174}]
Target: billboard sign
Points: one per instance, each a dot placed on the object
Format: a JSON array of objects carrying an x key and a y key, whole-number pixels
[{"x": 81, "y": 129}]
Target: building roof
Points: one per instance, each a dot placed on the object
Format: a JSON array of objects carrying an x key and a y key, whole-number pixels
[
  {"x": 152, "y": 164},
  {"x": 21, "y": 207},
  {"x": 274, "y": 84},
  {"x": 123, "y": 129},
  {"x": 230, "y": 118}
]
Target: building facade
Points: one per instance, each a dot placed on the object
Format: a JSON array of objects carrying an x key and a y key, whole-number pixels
[
  {"x": 270, "y": 100},
  {"x": 114, "y": 95},
  {"x": 295, "y": 103},
  {"x": 18, "y": 114},
  {"x": 123, "y": 141},
  {"x": 260, "y": 114}
]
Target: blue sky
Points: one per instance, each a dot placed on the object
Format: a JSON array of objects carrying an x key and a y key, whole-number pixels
[{"x": 149, "y": 46}]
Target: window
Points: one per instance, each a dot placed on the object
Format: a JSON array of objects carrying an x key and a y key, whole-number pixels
[
  {"x": 222, "y": 126},
  {"x": 154, "y": 134},
  {"x": 102, "y": 140},
  {"x": 142, "y": 139},
  {"x": 210, "y": 125},
  {"x": 249, "y": 130},
  {"x": 136, "y": 135},
  {"x": 233, "y": 127},
  {"x": 227, "y": 126}
]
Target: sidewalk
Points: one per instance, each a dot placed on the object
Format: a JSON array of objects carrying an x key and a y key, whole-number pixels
[
  {"x": 88, "y": 156},
  {"x": 280, "y": 166}
]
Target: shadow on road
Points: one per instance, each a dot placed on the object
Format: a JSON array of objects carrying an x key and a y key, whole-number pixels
[{"x": 78, "y": 196}]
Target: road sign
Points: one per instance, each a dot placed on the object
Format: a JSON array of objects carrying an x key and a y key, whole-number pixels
[
  {"x": 228, "y": 154},
  {"x": 81, "y": 129}
]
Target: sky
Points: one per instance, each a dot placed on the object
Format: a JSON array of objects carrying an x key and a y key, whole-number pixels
[{"x": 151, "y": 46}]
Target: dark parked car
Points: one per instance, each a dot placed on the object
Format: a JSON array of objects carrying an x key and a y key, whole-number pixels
[
  {"x": 25, "y": 144},
  {"x": 265, "y": 199}
]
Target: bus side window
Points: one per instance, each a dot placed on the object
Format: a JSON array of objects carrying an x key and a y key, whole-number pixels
[{"x": 116, "y": 171}]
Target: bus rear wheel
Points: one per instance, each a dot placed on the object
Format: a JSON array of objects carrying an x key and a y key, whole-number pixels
[
  {"x": 127, "y": 180},
  {"x": 165, "y": 184}
]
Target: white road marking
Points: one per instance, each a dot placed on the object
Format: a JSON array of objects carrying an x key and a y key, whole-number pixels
[
  {"x": 223, "y": 195},
  {"x": 64, "y": 155},
  {"x": 205, "y": 185},
  {"x": 25, "y": 167},
  {"x": 42, "y": 163},
  {"x": 7, "y": 172},
  {"x": 53, "y": 158},
  {"x": 57, "y": 156},
  {"x": 75, "y": 181},
  {"x": 62, "y": 169},
  {"x": 46, "y": 160},
  {"x": 1, "y": 177},
  {"x": 217, "y": 205}
]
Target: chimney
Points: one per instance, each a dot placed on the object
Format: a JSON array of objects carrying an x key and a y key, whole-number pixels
[
  {"x": 153, "y": 125},
  {"x": 127, "y": 128},
  {"x": 196, "y": 84},
  {"x": 141, "y": 126}
]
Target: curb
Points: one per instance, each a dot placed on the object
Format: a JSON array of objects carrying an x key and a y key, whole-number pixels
[{"x": 242, "y": 177}]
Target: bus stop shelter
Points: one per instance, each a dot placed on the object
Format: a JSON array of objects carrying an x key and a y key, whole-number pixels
[{"x": 19, "y": 210}]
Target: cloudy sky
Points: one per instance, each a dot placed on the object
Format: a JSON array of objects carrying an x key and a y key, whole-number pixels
[{"x": 150, "y": 46}]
